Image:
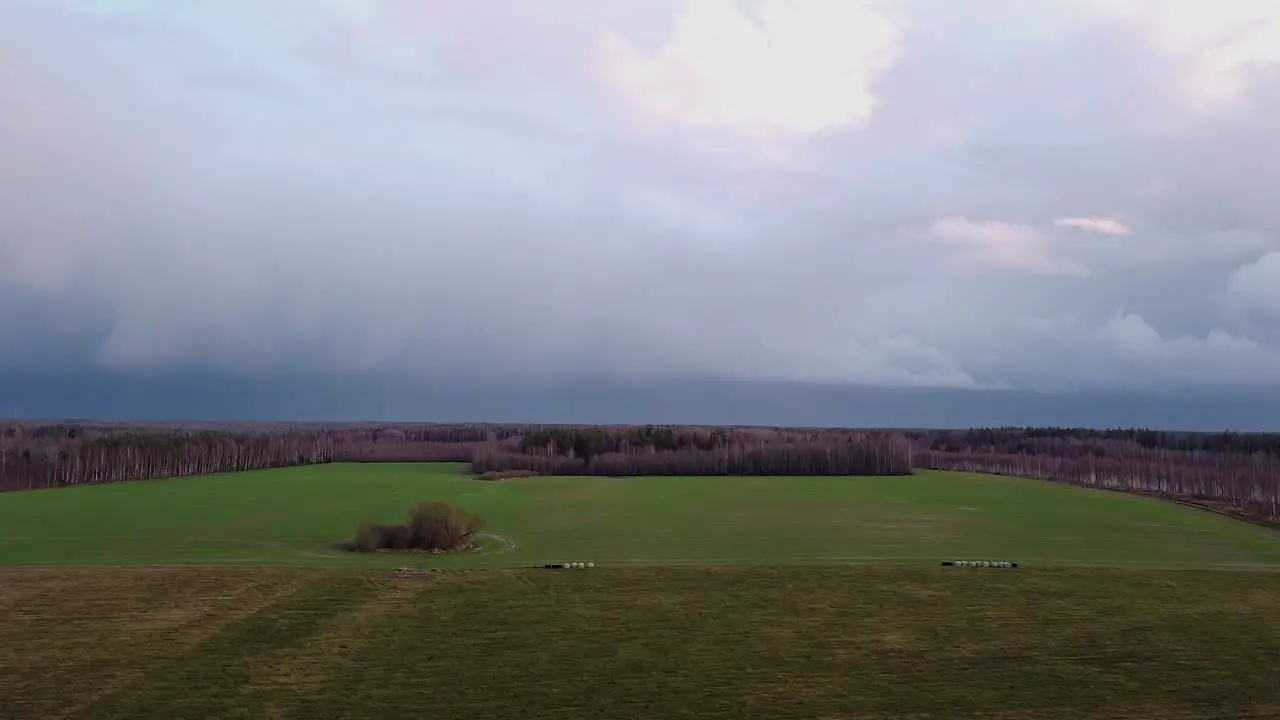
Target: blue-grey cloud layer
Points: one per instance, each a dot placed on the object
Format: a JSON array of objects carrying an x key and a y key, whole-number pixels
[{"x": 1065, "y": 197}]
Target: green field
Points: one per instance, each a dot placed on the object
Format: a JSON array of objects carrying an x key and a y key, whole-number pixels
[
  {"x": 295, "y": 516},
  {"x": 736, "y": 642},
  {"x": 772, "y": 598}
]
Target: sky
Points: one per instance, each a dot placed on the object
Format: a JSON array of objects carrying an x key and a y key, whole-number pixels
[{"x": 1059, "y": 197}]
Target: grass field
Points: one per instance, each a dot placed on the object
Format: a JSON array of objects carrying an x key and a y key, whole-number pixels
[
  {"x": 777, "y": 598},
  {"x": 294, "y": 516},
  {"x": 768, "y": 643}
]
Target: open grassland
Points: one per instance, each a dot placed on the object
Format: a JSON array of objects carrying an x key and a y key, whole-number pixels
[
  {"x": 295, "y": 516},
  {"x": 728, "y": 642},
  {"x": 815, "y": 597}
]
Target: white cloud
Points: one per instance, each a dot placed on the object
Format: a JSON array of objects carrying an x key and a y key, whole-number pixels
[
  {"x": 1255, "y": 288},
  {"x": 1131, "y": 334},
  {"x": 794, "y": 67},
  {"x": 1127, "y": 352},
  {"x": 1213, "y": 357},
  {"x": 1105, "y": 226},
  {"x": 1219, "y": 45},
  {"x": 996, "y": 244},
  {"x": 1134, "y": 337}
]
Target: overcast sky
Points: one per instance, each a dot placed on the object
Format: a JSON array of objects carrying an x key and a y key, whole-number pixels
[{"x": 1053, "y": 195}]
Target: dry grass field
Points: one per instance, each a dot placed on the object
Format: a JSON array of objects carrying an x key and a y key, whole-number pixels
[{"x": 775, "y": 643}]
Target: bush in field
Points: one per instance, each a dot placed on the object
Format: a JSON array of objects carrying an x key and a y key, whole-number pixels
[
  {"x": 368, "y": 537},
  {"x": 432, "y": 526}
]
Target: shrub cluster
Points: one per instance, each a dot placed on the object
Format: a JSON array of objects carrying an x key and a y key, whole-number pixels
[{"x": 432, "y": 526}]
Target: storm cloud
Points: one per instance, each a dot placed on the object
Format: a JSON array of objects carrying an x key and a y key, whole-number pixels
[{"x": 1059, "y": 196}]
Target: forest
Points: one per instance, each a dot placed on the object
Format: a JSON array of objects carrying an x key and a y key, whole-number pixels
[{"x": 1239, "y": 471}]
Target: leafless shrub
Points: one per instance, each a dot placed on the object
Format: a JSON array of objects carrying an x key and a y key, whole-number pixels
[{"x": 432, "y": 526}]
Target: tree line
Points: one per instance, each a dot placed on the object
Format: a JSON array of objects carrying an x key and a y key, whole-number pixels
[
  {"x": 1037, "y": 439},
  {"x": 1249, "y": 483},
  {"x": 35, "y": 456},
  {"x": 58, "y": 455},
  {"x": 1239, "y": 469},
  {"x": 1236, "y": 470},
  {"x": 866, "y": 453},
  {"x": 44, "y": 463},
  {"x": 587, "y": 442}
]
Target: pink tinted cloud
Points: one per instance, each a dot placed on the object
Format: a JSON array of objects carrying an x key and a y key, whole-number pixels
[
  {"x": 1102, "y": 225},
  {"x": 997, "y": 244}
]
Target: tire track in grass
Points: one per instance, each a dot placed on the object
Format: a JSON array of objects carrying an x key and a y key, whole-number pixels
[
  {"x": 315, "y": 663},
  {"x": 189, "y": 627},
  {"x": 223, "y": 665}
]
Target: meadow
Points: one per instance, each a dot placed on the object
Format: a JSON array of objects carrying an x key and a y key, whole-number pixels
[
  {"x": 734, "y": 597},
  {"x": 295, "y": 516}
]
